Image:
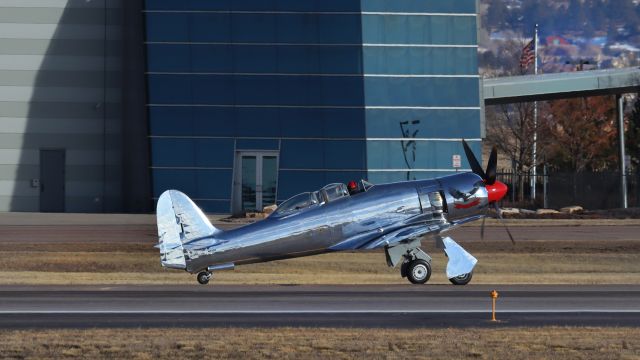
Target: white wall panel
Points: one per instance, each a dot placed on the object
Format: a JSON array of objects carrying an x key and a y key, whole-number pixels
[
  {"x": 56, "y": 31},
  {"x": 18, "y": 125},
  {"x": 44, "y": 110},
  {"x": 58, "y": 62},
  {"x": 61, "y": 3},
  {"x": 59, "y": 94}
]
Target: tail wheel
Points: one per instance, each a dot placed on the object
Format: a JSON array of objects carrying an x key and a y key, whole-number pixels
[
  {"x": 204, "y": 277},
  {"x": 418, "y": 271},
  {"x": 462, "y": 279}
]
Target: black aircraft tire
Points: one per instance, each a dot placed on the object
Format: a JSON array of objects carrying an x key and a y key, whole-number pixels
[
  {"x": 418, "y": 271},
  {"x": 403, "y": 269},
  {"x": 462, "y": 279},
  {"x": 203, "y": 277}
]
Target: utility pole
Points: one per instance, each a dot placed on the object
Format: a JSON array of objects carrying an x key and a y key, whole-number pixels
[
  {"x": 535, "y": 123},
  {"x": 623, "y": 165}
]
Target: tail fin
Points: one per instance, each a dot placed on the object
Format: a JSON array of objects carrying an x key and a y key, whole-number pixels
[{"x": 179, "y": 221}]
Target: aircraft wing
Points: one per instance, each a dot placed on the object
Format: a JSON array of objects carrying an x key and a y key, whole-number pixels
[
  {"x": 374, "y": 239},
  {"x": 400, "y": 235}
]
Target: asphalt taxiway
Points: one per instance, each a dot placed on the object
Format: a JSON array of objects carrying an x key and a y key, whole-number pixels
[{"x": 329, "y": 306}]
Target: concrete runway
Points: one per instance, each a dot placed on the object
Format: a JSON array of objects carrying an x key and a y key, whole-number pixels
[{"x": 310, "y": 306}]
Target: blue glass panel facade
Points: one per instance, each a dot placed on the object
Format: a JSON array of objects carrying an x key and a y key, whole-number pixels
[
  {"x": 283, "y": 59},
  {"x": 421, "y": 86},
  {"x": 421, "y": 60},
  {"x": 256, "y": 5},
  {"x": 257, "y": 122},
  {"x": 419, "y": 30},
  {"x": 421, "y": 92},
  {"x": 424, "y": 123},
  {"x": 382, "y": 177},
  {"x": 322, "y": 154},
  {"x": 209, "y": 188},
  {"x": 188, "y": 152},
  {"x": 424, "y": 155},
  {"x": 292, "y": 182},
  {"x": 256, "y": 90},
  {"x": 421, "y": 6},
  {"x": 336, "y": 88}
]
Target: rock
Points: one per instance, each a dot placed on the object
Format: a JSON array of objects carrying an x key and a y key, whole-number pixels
[
  {"x": 546, "y": 211},
  {"x": 571, "y": 209},
  {"x": 510, "y": 211},
  {"x": 269, "y": 209},
  {"x": 527, "y": 212}
]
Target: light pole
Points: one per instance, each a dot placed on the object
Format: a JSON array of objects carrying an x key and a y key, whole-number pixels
[{"x": 623, "y": 165}]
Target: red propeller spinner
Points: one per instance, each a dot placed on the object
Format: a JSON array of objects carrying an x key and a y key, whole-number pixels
[{"x": 497, "y": 191}]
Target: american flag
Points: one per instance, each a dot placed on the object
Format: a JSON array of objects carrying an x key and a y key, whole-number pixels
[{"x": 528, "y": 55}]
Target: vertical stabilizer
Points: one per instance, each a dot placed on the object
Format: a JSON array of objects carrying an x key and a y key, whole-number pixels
[{"x": 179, "y": 220}]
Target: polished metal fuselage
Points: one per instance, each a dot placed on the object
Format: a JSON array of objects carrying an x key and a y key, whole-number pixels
[{"x": 382, "y": 216}]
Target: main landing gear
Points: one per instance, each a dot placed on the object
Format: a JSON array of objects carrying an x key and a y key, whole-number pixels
[
  {"x": 204, "y": 277},
  {"x": 417, "y": 271},
  {"x": 415, "y": 263}
]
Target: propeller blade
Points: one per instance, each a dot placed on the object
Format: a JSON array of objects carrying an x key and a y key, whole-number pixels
[
  {"x": 482, "y": 227},
  {"x": 491, "y": 167},
  {"x": 475, "y": 165},
  {"x": 503, "y": 223}
]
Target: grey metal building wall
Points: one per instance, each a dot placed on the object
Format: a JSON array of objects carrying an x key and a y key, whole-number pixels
[{"x": 60, "y": 88}]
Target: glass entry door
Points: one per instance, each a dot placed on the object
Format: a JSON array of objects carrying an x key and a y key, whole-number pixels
[{"x": 256, "y": 181}]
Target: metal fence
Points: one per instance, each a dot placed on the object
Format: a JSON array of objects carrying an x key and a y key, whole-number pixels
[{"x": 591, "y": 190}]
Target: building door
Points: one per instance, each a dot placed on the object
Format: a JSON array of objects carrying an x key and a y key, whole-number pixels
[
  {"x": 256, "y": 181},
  {"x": 52, "y": 166}
]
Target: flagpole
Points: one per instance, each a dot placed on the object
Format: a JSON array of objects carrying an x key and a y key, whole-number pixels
[{"x": 535, "y": 121}]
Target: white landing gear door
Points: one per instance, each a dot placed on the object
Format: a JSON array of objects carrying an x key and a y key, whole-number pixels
[{"x": 460, "y": 261}]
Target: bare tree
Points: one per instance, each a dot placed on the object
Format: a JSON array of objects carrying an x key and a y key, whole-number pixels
[{"x": 511, "y": 128}]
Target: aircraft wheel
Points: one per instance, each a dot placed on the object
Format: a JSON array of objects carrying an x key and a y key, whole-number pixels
[
  {"x": 203, "y": 277},
  {"x": 418, "y": 271},
  {"x": 403, "y": 269},
  {"x": 462, "y": 279}
]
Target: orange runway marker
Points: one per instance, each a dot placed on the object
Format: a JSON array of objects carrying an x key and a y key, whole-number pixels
[{"x": 494, "y": 296}]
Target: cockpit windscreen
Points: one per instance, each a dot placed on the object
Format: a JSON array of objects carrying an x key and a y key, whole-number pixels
[{"x": 296, "y": 203}]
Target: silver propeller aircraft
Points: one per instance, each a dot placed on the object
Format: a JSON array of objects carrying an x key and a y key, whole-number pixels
[{"x": 393, "y": 217}]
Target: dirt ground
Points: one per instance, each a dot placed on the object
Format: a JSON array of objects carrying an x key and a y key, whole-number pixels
[
  {"x": 530, "y": 262},
  {"x": 106, "y": 249},
  {"x": 324, "y": 343}
]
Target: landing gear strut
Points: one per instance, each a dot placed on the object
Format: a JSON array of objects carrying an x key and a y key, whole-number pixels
[{"x": 204, "y": 277}]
